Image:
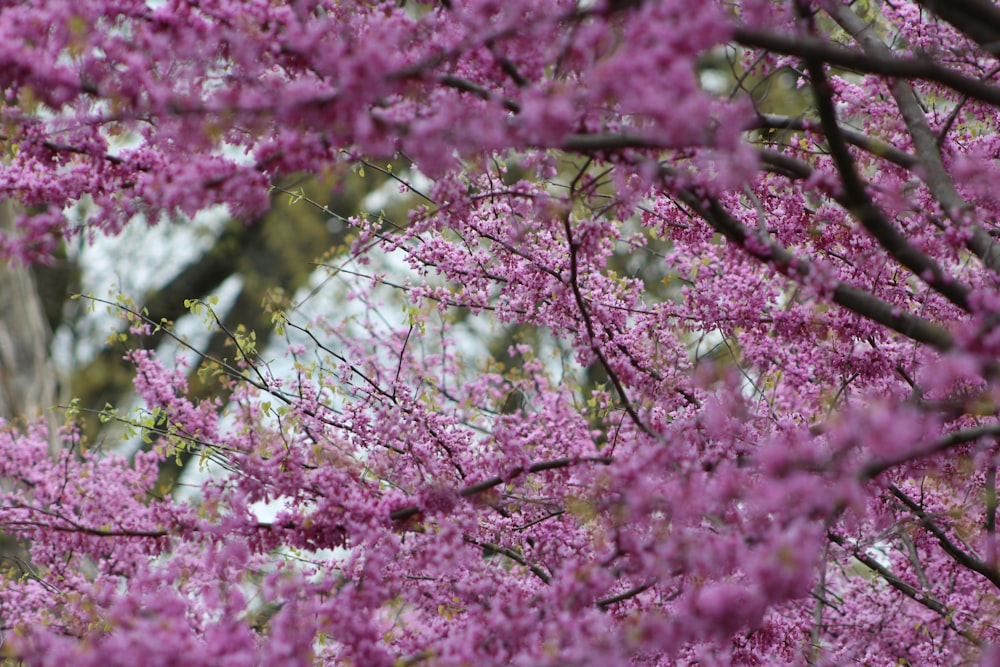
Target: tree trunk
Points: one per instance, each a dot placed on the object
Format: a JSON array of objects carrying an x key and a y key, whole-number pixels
[{"x": 28, "y": 381}]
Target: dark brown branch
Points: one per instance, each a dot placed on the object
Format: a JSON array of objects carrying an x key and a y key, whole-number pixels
[
  {"x": 838, "y": 56},
  {"x": 581, "y": 303},
  {"x": 979, "y": 19},
  {"x": 990, "y": 491},
  {"x": 67, "y": 525},
  {"x": 922, "y": 597},
  {"x": 871, "y": 145},
  {"x": 479, "y": 91},
  {"x": 508, "y": 66},
  {"x": 405, "y": 513},
  {"x": 953, "y": 439},
  {"x": 963, "y": 558},
  {"x": 933, "y": 171},
  {"x": 616, "y": 141},
  {"x": 957, "y": 110},
  {"x": 399, "y": 515},
  {"x": 513, "y": 555},
  {"x": 65, "y": 148},
  {"x": 784, "y": 164},
  {"x": 864, "y": 209},
  {"x": 604, "y": 603},
  {"x": 852, "y": 298},
  {"x": 608, "y": 141}
]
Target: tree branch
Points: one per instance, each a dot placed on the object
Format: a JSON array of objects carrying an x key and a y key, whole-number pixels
[
  {"x": 852, "y": 298},
  {"x": 914, "y": 68},
  {"x": 864, "y": 209},
  {"x": 933, "y": 172},
  {"x": 979, "y": 19},
  {"x": 922, "y": 597},
  {"x": 604, "y": 603},
  {"x": 963, "y": 558},
  {"x": 871, "y": 145},
  {"x": 405, "y": 513},
  {"x": 953, "y": 439}
]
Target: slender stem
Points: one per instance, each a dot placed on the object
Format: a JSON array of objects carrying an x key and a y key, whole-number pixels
[
  {"x": 990, "y": 491},
  {"x": 819, "y": 593}
]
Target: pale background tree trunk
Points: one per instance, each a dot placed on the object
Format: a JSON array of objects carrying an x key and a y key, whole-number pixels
[{"x": 28, "y": 379}]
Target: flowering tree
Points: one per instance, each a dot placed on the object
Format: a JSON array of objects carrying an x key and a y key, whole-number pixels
[{"x": 776, "y": 444}]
